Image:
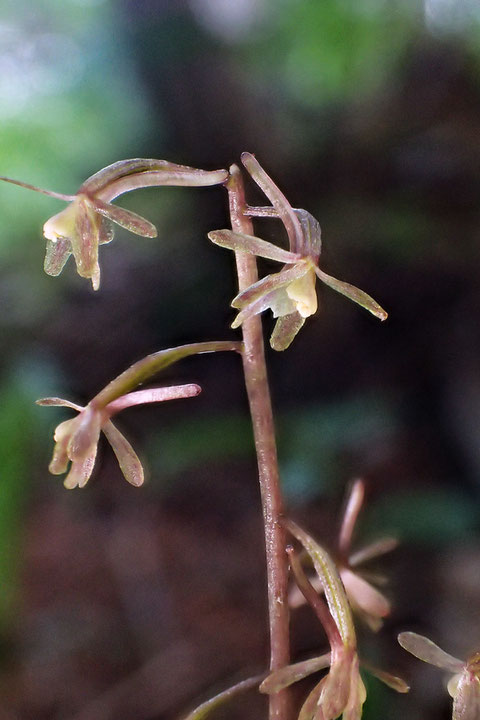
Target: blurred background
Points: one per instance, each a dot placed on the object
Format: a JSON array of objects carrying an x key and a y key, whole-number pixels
[{"x": 126, "y": 603}]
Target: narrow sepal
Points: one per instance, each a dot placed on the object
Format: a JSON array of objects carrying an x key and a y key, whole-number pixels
[
  {"x": 392, "y": 681},
  {"x": 331, "y": 583},
  {"x": 279, "y": 679},
  {"x": 56, "y": 255},
  {"x": 373, "y": 550},
  {"x": 353, "y": 293},
  {"x": 285, "y": 330},
  {"x": 426, "y": 650},
  {"x": 253, "y": 245},
  {"x": 46, "y": 402},
  {"x": 128, "y": 460},
  {"x": 278, "y": 200},
  {"x": 125, "y": 218},
  {"x": 27, "y": 186},
  {"x": 153, "y": 395}
]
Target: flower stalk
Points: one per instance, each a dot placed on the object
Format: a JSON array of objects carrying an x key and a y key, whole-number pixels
[{"x": 258, "y": 392}]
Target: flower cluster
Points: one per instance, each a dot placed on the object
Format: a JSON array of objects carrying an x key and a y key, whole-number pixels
[
  {"x": 290, "y": 294},
  {"x": 341, "y": 691}
]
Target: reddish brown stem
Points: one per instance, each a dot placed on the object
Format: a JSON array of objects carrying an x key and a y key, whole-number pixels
[{"x": 264, "y": 435}]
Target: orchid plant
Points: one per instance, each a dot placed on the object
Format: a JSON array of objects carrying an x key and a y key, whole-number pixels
[{"x": 291, "y": 295}]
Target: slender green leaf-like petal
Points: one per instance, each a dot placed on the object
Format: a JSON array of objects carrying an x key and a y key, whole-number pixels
[
  {"x": 332, "y": 585},
  {"x": 285, "y": 330},
  {"x": 426, "y": 650},
  {"x": 126, "y": 219},
  {"x": 279, "y": 679},
  {"x": 128, "y": 460},
  {"x": 275, "y": 281},
  {"x": 253, "y": 245},
  {"x": 353, "y": 293},
  {"x": 59, "y": 402},
  {"x": 205, "y": 708},
  {"x": 57, "y": 254}
]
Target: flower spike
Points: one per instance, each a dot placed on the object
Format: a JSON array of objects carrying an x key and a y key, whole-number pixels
[
  {"x": 290, "y": 293},
  {"x": 84, "y": 224}
]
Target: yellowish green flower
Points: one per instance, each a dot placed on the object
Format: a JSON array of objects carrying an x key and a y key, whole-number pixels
[
  {"x": 84, "y": 224},
  {"x": 76, "y": 440},
  {"x": 463, "y": 686},
  {"x": 290, "y": 294}
]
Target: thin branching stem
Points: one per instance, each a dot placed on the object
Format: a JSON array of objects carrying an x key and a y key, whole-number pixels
[{"x": 264, "y": 435}]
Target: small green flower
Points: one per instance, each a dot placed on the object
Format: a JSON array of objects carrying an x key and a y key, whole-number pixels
[
  {"x": 463, "y": 686},
  {"x": 341, "y": 691},
  {"x": 76, "y": 440},
  {"x": 290, "y": 293},
  {"x": 84, "y": 224},
  {"x": 366, "y": 600}
]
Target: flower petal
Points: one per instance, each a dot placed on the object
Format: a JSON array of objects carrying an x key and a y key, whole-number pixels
[
  {"x": 58, "y": 402},
  {"x": 373, "y": 550},
  {"x": 252, "y": 245},
  {"x": 278, "y": 200},
  {"x": 331, "y": 583},
  {"x": 56, "y": 255},
  {"x": 85, "y": 240},
  {"x": 277, "y": 300},
  {"x": 80, "y": 471},
  {"x": 271, "y": 282},
  {"x": 362, "y": 594},
  {"x": 106, "y": 232},
  {"x": 125, "y": 218},
  {"x": 51, "y": 193},
  {"x": 285, "y": 330},
  {"x": 392, "y": 681},
  {"x": 311, "y": 709},
  {"x": 279, "y": 679},
  {"x": 426, "y": 650},
  {"x": 311, "y": 235},
  {"x": 85, "y": 434},
  {"x": 353, "y": 293},
  {"x": 336, "y": 691},
  {"x": 128, "y": 460},
  {"x": 357, "y": 695},
  {"x": 466, "y": 703}
]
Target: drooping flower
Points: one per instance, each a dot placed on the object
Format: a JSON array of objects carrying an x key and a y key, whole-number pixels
[
  {"x": 341, "y": 691},
  {"x": 463, "y": 686},
  {"x": 365, "y": 599},
  {"x": 84, "y": 224},
  {"x": 76, "y": 440},
  {"x": 290, "y": 293}
]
